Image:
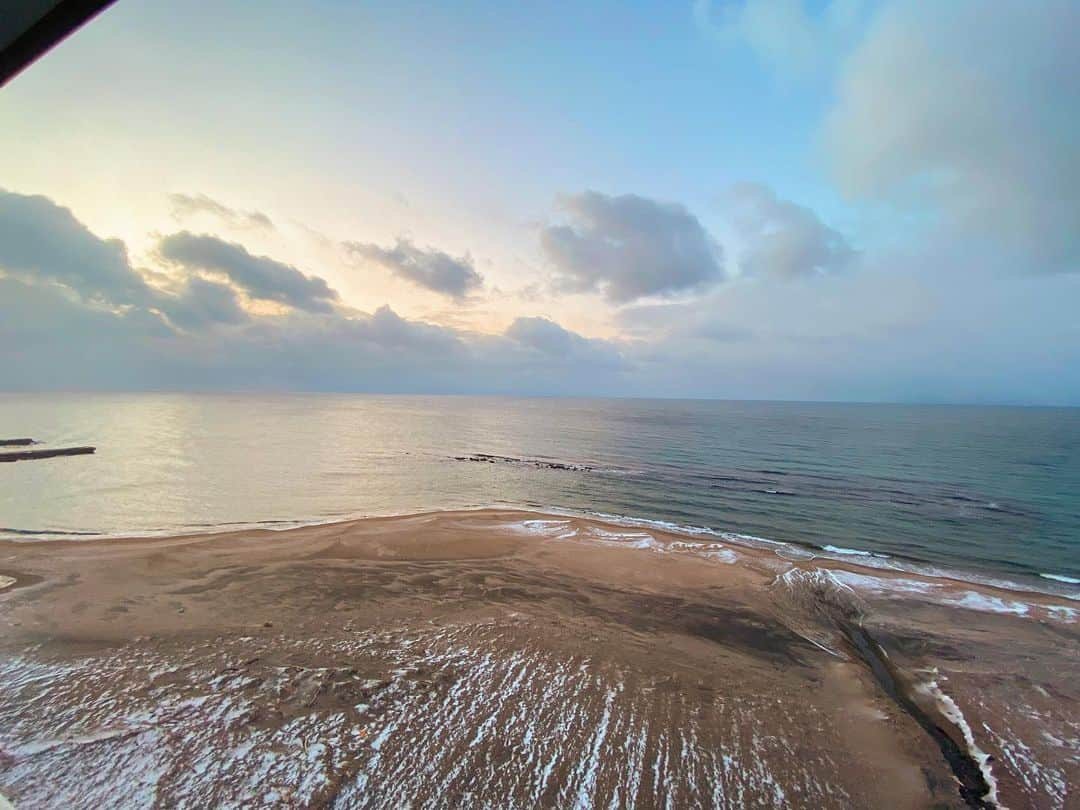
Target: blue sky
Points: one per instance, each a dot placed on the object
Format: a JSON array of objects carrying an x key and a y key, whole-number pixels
[{"x": 750, "y": 199}]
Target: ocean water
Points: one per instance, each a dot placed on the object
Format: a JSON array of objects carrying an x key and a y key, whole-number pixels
[{"x": 980, "y": 490}]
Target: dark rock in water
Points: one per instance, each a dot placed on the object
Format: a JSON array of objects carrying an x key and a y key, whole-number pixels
[
  {"x": 30, "y": 455},
  {"x": 539, "y": 463},
  {"x": 16, "y": 442}
]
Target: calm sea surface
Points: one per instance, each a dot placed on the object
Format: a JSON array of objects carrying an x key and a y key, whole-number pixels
[{"x": 991, "y": 490}]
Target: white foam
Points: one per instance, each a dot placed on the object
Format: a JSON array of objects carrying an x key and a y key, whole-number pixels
[
  {"x": 952, "y": 712},
  {"x": 541, "y": 528},
  {"x": 883, "y": 584},
  {"x": 852, "y": 551},
  {"x": 723, "y": 555},
  {"x": 1061, "y": 578},
  {"x": 794, "y": 553},
  {"x": 817, "y": 576},
  {"x": 1062, "y": 613},
  {"x": 973, "y": 600},
  {"x": 563, "y": 530},
  {"x": 670, "y": 526},
  {"x": 638, "y": 540},
  {"x": 609, "y": 535},
  {"x": 6, "y": 582},
  {"x": 969, "y": 600}
]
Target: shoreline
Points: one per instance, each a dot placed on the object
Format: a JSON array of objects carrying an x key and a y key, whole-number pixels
[
  {"x": 897, "y": 566},
  {"x": 739, "y": 674}
]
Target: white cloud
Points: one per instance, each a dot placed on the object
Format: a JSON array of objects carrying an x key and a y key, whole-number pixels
[
  {"x": 783, "y": 240},
  {"x": 189, "y": 205},
  {"x": 971, "y": 108},
  {"x": 629, "y": 247}
]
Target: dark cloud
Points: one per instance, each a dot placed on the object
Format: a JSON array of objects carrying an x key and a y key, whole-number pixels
[
  {"x": 971, "y": 111},
  {"x": 389, "y": 329},
  {"x": 259, "y": 276},
  {"x": 43, "y": 240},
  {"x": 836, "y": 346},
  {"x": 552, "y": 340},
  {"x": 51, "y": 339},
  {"x": 783, "y": 240},
  {"x": 543, "y": 335},
  {"x": 883, "y": 335},
  {"x": 630, "y": 247},
  {"x": 42, "y": 243},
  {"x": 100, "y": 324},
  {"x": 187, "y": 205},
  {"x": 201, "y": 302},
  {"x": 431, "y": 269}
]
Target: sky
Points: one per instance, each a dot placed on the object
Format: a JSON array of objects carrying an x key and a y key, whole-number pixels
[{"x": 751, "y": 199}]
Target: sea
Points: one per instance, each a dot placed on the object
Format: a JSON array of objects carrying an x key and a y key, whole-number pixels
[{"x": 990, "y": 493}]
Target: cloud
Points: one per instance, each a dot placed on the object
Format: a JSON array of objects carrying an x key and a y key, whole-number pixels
[
  {"x": 881, "y": 335},
  {"x": 973, "y": 110},
  {"x": 259, "y": 276},
  {"x": 783, "y": 240},
  {"x": 784, "y": 33},
  {"x": 873, "y": 336},
  {"x": 187, "y": 205},
  {"x": 890, "y": 334},
  {"x": 701, "y": 319},
  {"x": 201, "y": 302},
  {"x": 390, "y": 329},
  {"x": 42, "y": 243},
  {"x": 431, "y": 269},
  {"x": 74, "y": 314},
  {"x": 541, "y": 334},
  {"x": 630, "y": 247},
  {"x": 552, "y": 340},
  {"x": 52, "y": 339},
  {"x": 43, "y": 240}
]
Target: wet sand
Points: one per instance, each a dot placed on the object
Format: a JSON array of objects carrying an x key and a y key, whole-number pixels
[{"x": 503, "y": 658}]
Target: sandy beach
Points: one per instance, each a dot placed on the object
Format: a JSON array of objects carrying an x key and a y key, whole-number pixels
[
  {"x": 502, "y": 658},
  {"x": 514, "y": 406}
]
